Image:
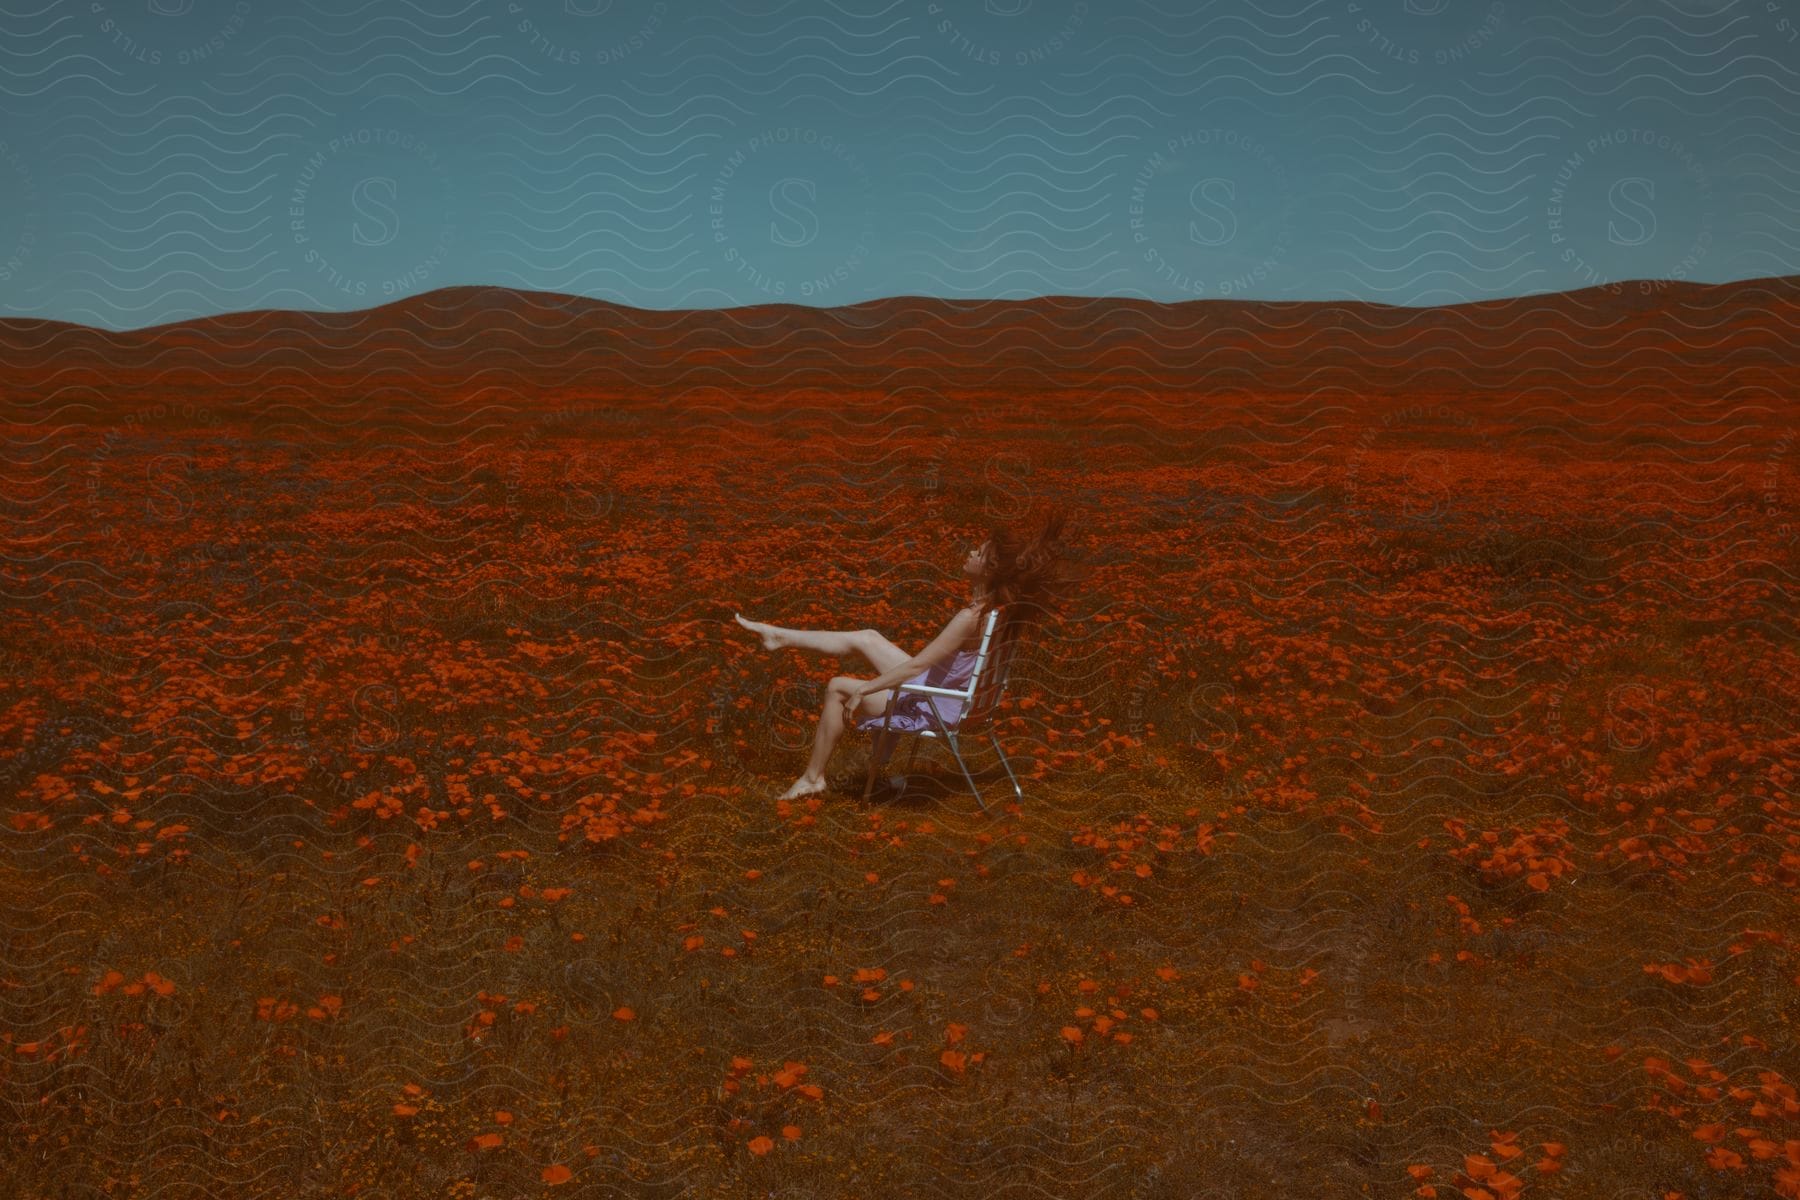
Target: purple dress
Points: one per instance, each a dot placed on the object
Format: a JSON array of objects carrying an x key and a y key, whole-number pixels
[{"x": 908, "y": 709}]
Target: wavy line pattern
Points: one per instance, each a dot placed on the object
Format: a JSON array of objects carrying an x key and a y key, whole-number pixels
[
  {"x": 399, "y": 400},
  {"x": 191, "y": 157},
  {"x": 392, "y": 790}
]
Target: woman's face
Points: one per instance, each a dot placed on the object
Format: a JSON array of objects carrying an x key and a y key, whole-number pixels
[{"x": 977, "y": 560}]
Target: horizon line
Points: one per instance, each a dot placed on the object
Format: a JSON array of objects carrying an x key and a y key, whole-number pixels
[{"x": 1620, "y": 287}]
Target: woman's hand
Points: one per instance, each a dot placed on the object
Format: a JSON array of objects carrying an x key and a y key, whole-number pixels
[{"x": 852, "y": 701}]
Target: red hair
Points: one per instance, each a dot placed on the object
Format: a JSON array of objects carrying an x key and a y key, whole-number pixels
[{"x": 1029, "y": 575}]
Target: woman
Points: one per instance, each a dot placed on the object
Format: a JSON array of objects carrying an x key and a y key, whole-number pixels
[{"x": 1023, "y": 575}]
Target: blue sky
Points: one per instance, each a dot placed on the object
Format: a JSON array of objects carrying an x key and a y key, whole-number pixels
[{"x": 173, "y": 158}]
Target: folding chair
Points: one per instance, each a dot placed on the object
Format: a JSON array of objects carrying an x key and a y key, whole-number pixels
[{"x": 979, "y": 697}]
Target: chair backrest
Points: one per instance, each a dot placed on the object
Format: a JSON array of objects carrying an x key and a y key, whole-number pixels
[{"x": 993, "y": 664}]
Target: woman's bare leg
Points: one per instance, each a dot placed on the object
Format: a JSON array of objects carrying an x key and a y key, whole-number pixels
[
  {"x": 831, "y": 728},
  {"x": 880, "y": 653}
]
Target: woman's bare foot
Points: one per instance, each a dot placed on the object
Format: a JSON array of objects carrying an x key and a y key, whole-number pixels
[
  {"x": 769, "y": 640},
  {"x": 803, "y": 787}
]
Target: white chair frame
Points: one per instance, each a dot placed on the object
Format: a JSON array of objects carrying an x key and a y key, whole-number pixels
[{"x": 983, "y": 693}]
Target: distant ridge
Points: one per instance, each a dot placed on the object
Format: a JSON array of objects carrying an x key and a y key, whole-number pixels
[
  {"x": 448, "y": 305},
  {"x": 546, "y": 337}
]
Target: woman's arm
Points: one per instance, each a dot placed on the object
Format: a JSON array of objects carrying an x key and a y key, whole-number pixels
[{"x": 942, "y": 649}]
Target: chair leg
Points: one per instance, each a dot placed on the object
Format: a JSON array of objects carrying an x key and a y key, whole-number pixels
[
  {"x": 1017, "y": 790},
  {"x": 878, "y": 755},
  {"x": 949, "y": 736},
  {"x": 901, "y": 780},
  {"x": 965, "y": 770}
]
